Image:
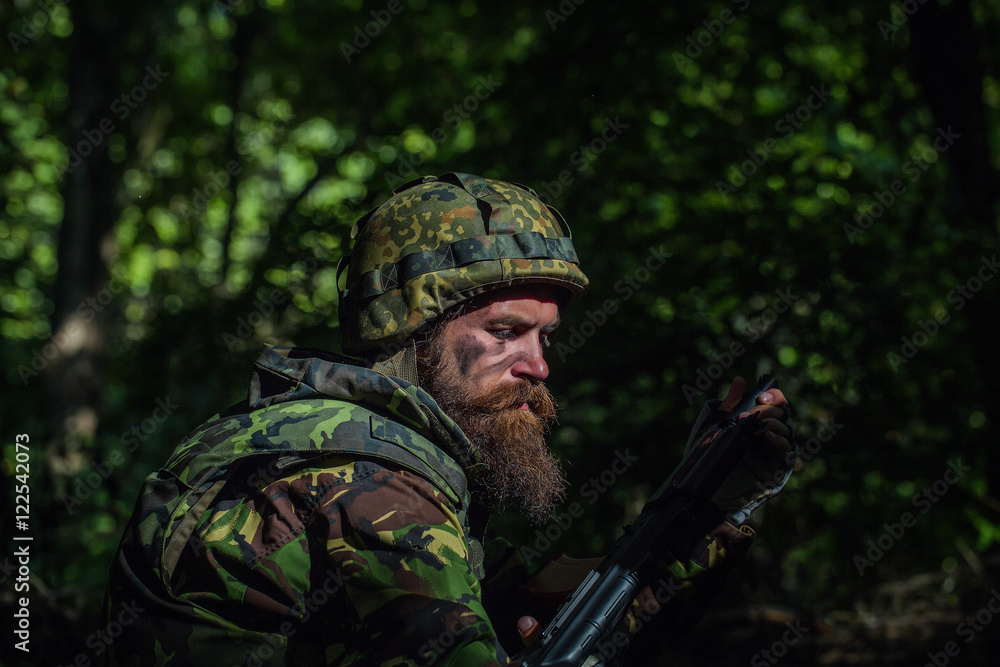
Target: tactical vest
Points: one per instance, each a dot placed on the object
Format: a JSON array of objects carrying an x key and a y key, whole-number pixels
[
  {"x": 174, "y": 501},
  {"x": 385, "y": 440}
]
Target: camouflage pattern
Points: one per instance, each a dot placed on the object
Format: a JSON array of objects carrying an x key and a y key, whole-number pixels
[
  {"x": 439, "y": 241},
  {"x": 326, "y": 520}
]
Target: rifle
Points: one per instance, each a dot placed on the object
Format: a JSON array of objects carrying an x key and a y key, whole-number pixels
[{"x": 598, "y": 604}]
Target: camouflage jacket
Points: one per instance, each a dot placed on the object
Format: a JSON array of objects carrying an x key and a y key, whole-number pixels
[{"x": 326, "y": 520}]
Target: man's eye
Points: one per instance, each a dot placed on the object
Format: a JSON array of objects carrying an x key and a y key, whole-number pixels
[{"x": 503, "y": 334}]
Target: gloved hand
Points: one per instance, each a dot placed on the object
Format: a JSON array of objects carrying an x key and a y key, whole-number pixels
[{"x": 768, "y": 462}]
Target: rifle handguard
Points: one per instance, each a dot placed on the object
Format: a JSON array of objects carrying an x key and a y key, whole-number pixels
[{"x": 598, "y": 604}]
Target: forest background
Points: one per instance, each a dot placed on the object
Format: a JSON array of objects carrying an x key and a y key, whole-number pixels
[{"x": 802, "y": 188}]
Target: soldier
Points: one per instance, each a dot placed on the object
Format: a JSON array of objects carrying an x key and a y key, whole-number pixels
[{"x": 339, "y": 514}]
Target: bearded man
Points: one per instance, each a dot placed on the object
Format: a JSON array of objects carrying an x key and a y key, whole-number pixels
[{"x": 339, "y": 514}]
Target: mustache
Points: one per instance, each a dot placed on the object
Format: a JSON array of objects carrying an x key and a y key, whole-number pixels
[
  {"x": 517, "y": 466},
  {"x": 511, "y": 396}
]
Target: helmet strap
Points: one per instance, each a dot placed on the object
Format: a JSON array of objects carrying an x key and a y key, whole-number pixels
[{"x": 403, "y": 364}]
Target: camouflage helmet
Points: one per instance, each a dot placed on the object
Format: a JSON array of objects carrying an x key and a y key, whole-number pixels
[{"x": 441, "y": 240}]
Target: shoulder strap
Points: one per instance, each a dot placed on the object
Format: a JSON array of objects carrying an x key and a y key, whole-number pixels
[{"x": 312, "y": 427}]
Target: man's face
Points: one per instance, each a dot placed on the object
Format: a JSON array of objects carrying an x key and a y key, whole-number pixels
[{"x": 485, "y": 368}]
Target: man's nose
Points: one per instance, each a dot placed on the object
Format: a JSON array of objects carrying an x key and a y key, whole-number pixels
[{"x": 532, "y": 364}]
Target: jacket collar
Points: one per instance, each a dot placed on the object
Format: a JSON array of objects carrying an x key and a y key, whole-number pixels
[{"x": 293, "y": 373}]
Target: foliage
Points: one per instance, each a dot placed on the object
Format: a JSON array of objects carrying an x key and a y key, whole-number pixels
[{"x": 180, "y": 179}]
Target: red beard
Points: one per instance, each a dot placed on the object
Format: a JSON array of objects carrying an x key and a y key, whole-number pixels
[{"x": 511, "y": 441}]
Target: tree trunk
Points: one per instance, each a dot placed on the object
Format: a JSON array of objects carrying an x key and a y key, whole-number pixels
[{"x": 84, "y": 289}]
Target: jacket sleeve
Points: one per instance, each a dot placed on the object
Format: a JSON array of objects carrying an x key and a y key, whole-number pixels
[{"x": 409, "y": 587}]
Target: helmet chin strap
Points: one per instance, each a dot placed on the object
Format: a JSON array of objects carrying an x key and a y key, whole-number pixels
[{"x": 402, "y": 364}]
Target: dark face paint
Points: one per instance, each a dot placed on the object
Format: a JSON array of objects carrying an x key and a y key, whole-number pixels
[{"x": 467, "y": 352}]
